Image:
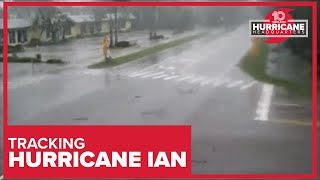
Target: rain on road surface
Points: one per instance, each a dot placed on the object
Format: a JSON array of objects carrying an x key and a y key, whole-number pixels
[{"x": 196, "y": 84}]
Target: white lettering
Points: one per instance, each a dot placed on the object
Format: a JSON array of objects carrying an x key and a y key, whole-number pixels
[{"x": 134, "y": 159}]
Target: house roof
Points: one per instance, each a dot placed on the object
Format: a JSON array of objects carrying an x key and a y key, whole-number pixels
[
  {"x": 90, "y": 18},
  {"x": 82, "y": 18},
  {"x": 16, "y": 23},
  {"x": 111, "y": 16}
]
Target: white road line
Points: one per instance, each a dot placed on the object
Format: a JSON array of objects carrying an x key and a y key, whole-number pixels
[
  {"x": 170, "y": 77},
  {"x": 153, "y": 74},
  {"x": 234, "y": 84},
  {"x": 161, "y": 76},
  {"x": 1, "y": 177},
  {"x": 185, "y": 78},
  {"x": 248, "y": 85},
  {"x": 140, "y": 74},
  {"x": 262, "y": 112}
]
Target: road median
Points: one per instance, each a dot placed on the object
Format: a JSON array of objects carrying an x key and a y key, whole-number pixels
[{"x": 144, "y": 52}]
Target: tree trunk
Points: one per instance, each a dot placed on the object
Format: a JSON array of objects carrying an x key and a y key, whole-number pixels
[
  {"x": 116, "y": 25},
  {"x": 53, "y": 35},
  {"x": 63, "y": 33}
]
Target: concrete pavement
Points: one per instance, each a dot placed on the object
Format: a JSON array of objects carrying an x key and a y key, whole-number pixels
[{"x": 197, "y": 84}]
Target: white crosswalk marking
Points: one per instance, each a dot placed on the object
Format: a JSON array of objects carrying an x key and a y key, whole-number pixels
[
  {"x": 234, "y": 84},
  {"x": 248, "y": 85},
  {"x": 170, "y": 77},
  {"x": 152, "y": 74},
  {"x": 161, "y": 76},
  {"x": 140, "y": 74},
  {"x": 192, "y": 79},
  {"x": 185, "y": 78},
  {"x": 152, "y": 66}
]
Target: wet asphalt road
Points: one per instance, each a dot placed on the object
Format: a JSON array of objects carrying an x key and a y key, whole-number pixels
[{"x": 193, "y": 84}]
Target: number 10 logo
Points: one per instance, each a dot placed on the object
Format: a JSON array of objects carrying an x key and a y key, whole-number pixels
[{"x": 278, "y": 15}]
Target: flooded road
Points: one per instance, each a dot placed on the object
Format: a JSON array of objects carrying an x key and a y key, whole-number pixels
[{"x": 197, "y": 84}]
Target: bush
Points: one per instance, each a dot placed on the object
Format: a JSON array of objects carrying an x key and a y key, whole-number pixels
[
  {"x": 123, "y": 44},
  {"x": 15, "y": 59},
  {"x": 14, "y": 49},
  {"x": 156, "y": 37},
  {"x": 55, "y": 61}
]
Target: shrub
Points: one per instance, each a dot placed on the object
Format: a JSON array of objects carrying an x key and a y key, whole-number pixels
[
  {"x": 55, "y": 61},
  {"x": 16, "y": 48},
  {"x": 123, "y": 44},
  {"x": 23, "y": 59}
]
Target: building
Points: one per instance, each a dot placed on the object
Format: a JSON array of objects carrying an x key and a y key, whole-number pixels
[
  {"x": 125, "y": 20},
  {"x": 18, "y": 31},
  {"x": 85, "y": 25},
  {"x": 22, "y": 31}
]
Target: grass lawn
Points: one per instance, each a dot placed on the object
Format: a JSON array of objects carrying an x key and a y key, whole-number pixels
[
  {"x": 254, "y": 65},
  {"x": 143, "y": 53}
]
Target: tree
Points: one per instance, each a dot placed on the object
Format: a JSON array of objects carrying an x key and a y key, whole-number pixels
[
  {"x": 65, "y": 24},
  {"x": 98, "y": 13},
  {"x": 116, "y": 22},
  {"x": 51, "y": 20}
]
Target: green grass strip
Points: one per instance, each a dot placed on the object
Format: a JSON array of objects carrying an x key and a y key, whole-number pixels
[{"x": 144, "y": 52}]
